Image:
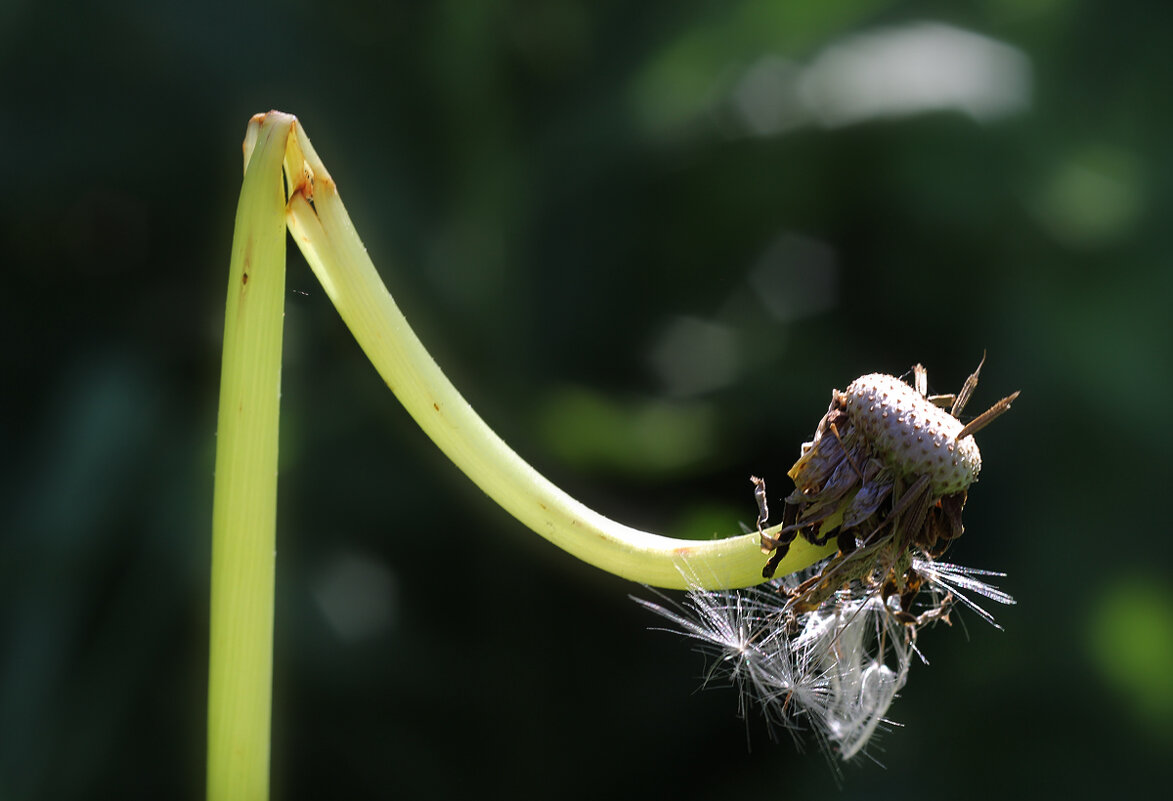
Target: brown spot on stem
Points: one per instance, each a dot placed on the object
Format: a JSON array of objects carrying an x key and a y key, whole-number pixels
[
  {"x": 436, "y": 406},
  {"x": 305, "y": 185},
  {"x": 248, "y": 260}
]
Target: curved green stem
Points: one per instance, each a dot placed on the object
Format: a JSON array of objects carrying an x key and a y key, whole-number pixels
[{"x": 323, "y": 230}]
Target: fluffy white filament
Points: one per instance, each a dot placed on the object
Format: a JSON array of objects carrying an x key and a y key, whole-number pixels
[{"x": 834, "y": 671}]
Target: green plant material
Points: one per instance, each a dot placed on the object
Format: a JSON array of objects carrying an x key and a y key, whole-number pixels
[
  {"x": 244, "y": 511},
  {"x": 245, "y": 506},
  {"x": 1130, "y": 640},
  {"x": 323, "y": 230},
  {"x": 586, "y": 429}
]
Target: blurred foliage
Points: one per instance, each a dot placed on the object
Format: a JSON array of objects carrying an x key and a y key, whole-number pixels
[
  {"x": 1131, "y": 639},
  {"x": 634, "y": 239}
]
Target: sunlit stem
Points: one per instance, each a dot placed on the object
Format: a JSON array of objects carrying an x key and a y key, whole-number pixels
[
  {"x": 325, "y": 234},
  {"x": 244, "y": 509}
]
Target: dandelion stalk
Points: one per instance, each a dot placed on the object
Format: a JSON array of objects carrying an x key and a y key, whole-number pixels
[
  {"x": 244, "y": 510},
  {"x": 322, "y": 229}
]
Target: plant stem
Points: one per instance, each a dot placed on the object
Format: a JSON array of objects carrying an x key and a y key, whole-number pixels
[
  {"x": 244, "y": 511},
  {"x": 323, "y": 230}
]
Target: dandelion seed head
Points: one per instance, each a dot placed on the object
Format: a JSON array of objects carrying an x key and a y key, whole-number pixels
[{"x": 887, "y": 475}]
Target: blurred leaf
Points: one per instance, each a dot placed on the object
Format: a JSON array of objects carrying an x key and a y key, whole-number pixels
[
  {"x": 1092, "y": 198},
  {"x": 1131, "y": 641},
  {"x": 589, "y": 431},
  {"x": 680, "y": 81}
]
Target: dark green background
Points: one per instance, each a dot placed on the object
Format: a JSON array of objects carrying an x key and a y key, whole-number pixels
[{"x": 547, "y": 188}]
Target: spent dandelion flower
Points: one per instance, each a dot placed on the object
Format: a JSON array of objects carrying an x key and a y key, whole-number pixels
[
  {"x": 887, "y": 474},
  {"x": 888, "y": 471}
]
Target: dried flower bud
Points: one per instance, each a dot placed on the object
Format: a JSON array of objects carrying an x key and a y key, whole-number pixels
[{"x": 887, "y": 475}]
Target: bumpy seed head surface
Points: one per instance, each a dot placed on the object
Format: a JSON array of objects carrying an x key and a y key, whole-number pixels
[{"x": 911, "y": 435}]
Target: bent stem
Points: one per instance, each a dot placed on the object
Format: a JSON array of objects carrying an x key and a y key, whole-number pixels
[
  {"x": 323, "y": 230},
  {"x": 244, "y": 508}
]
